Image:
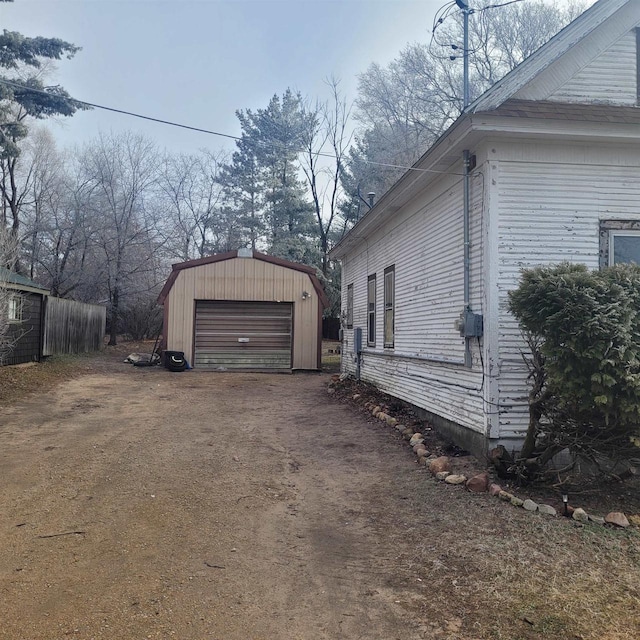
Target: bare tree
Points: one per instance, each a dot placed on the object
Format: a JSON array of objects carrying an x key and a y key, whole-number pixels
[
  {"x": 191, "y": 193},
  {"x": 121, "y": 171},
  {"x": 403, "y": 107},
  {"x": 326, "y": 140}
]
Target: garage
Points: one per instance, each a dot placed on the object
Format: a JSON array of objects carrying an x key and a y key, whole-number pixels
[
  {"x": 244, "y": 310},
  {"x": 238, "y": 335}
]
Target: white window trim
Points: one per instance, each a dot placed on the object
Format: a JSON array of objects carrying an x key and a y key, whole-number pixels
[
  {"x": 619, "y": 232},
  {"x": 349, "y": 314},
  {"x": 372, "y": 312},
  {"x": 389, "y": 305},
  {"x": 16, "y": 303}
]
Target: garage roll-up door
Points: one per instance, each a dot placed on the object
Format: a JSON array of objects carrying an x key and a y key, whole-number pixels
[{"x": 243, "y": 335}]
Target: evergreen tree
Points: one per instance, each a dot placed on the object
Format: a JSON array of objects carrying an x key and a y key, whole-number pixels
[
  {"x": 264, "y": 179},
  {"x": 24, "y": 95}
]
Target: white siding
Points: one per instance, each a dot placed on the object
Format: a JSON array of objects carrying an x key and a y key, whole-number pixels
[
  {"x": 550, "y": 203},
  {"x": 424, "y": 241},
  {"x": 612, "y": 77}
]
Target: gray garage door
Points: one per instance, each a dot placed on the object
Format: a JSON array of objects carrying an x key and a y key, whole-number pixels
[{"x": 243, "y": 335}]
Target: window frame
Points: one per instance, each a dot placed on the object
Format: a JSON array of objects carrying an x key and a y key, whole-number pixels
[
  {"x": 371, "y": 310},
  {"x": 15, "y": 309},
  {"x": 389, "y": 306},
  {"x": 349, "y": 319},
  {"x": 608, "y": 230},
  {"x": 613, "y": 233}
]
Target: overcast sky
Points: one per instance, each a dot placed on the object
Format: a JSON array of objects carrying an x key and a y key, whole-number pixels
[{"x": 197, "y": 61}]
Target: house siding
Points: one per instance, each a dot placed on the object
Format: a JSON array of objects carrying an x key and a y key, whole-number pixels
[
  {"x": 27, "y": 334},
  {"x": 424, "y": 240},
  {"x": 612, "y": 77},
  {"x": 549, "y": 204}
]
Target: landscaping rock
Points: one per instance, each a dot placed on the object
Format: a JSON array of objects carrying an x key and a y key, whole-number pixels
[
  {"x": 442, "y": 475},
  {"x": 356, "y": 396},
  {"x": 331, "y": 391},
  {"x": 596, "y": 519},
  {"x": 422, "y": 460},
  {"x": 506, "y": 496},
  {"x": 422, "y": 452},
  {"x": 617, "y": 518},
  {"x": 479, "y": 483},
  {"x": 547, "y": 510},
  {"x": 455, "y": 479},
  {"x": 377, "y": 409},
  {"x": 580, "y": 515},
  {"x": 530, "y": 505},
  {"x": 440, "y": 464},
  {"x": 418, "y": 447},
  {"x": 516, "y": 502},
  {"x": 400, "y": 428},
  {"x": 416, "y": 438},
  {"x": 495, "y": 489},
  {"x": 382, "y": 416},
  {"x": 635, "y": 520}
]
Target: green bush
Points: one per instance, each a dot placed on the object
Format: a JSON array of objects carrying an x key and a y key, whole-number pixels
[{"x": 584, "y": 330}]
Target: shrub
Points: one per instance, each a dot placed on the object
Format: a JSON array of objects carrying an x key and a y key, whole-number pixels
[{"x": 583, "y": 329}]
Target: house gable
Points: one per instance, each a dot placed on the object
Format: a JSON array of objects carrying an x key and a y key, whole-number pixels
[
  {"x": 586, "y": 50},
  {"x": 612, "y": 77}
]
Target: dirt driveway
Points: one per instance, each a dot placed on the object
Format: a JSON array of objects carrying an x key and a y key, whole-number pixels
[{"x": 137, "y": 503}]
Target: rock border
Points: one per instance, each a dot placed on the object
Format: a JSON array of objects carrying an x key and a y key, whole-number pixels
[{"x": 440, "y": 468}]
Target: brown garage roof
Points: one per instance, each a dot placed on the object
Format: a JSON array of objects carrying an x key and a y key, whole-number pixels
[{"x": 296, "y": 266}]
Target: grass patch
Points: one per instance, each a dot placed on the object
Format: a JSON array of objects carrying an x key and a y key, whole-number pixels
[{"x": 18, "y": 381}]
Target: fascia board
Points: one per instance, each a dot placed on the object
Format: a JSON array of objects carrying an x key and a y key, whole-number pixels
[{"x": 424, "y": 172}]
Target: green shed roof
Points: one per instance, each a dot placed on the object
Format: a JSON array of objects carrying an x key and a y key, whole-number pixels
[{"x": 20, "y": 281}]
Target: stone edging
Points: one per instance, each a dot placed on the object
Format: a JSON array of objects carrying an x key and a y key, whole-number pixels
[{"x": 440, "y": 468}]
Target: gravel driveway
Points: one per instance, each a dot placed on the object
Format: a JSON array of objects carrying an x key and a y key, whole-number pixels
[{"x": 137, "y": 503}]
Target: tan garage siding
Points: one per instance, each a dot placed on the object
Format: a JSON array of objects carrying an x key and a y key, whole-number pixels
[{"x": 253, "y": 279}]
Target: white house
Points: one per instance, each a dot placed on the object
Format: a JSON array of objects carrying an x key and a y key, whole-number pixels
[{"x": 553, "y": 175}]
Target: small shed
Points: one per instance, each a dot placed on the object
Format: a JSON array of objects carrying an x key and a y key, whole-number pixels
[
  {"x": 244, "y": 310},
  {"x": 25, "y": 318}
]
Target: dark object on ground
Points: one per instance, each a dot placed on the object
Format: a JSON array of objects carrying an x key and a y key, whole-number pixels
[
  {"x": 143, "y": 360},
  {"x": 154, "y": 358},
  {"x": 502, "y": 461},
  {"x": 174, "y": 360}
]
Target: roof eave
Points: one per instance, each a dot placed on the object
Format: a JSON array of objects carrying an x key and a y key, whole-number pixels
[{"x": 452, "y": 140}]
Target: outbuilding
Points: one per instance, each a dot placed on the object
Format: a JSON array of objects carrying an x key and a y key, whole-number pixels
[
  {"x": 24, "y": 319},
  {"x": 244, "y": 310}
]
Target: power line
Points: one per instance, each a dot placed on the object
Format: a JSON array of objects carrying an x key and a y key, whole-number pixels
[{"x": 170, "y": 123}]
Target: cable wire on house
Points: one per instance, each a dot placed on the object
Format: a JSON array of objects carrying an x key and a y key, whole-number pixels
[{"x": 229, "y": 136}]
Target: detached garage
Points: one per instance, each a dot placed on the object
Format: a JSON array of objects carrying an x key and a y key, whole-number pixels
[{"x": 244, "y": 310}]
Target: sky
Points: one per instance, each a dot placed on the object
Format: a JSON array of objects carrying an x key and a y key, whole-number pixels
[{"x": 197, "y": 61}]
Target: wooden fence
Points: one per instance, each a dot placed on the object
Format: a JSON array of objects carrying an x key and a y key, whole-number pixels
[{"x": 72, "y": 327}]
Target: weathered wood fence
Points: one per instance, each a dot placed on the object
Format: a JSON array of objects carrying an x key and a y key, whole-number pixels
[{"x": 72, "y": 327}]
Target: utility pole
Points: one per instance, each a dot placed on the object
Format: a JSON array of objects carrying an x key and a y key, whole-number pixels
[{"x": 466, "y": 12}]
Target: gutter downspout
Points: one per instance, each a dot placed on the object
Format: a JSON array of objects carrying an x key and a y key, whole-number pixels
[
  {"x": 467, "y": 251},
  {"x": 466, "y": 181}
]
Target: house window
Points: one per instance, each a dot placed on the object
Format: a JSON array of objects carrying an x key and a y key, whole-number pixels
[
  {"x": 350, "y": 306},
  {"x": 619, "y": 242},
  {"x": 15, "y": 308},
  {"x": 371, "y": 311},
  {"x": 624, "y": 247},
  {"x": 389, "y": 305}
]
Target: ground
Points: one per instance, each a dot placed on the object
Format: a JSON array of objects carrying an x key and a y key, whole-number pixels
[{"x": 139, "y": 503}]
